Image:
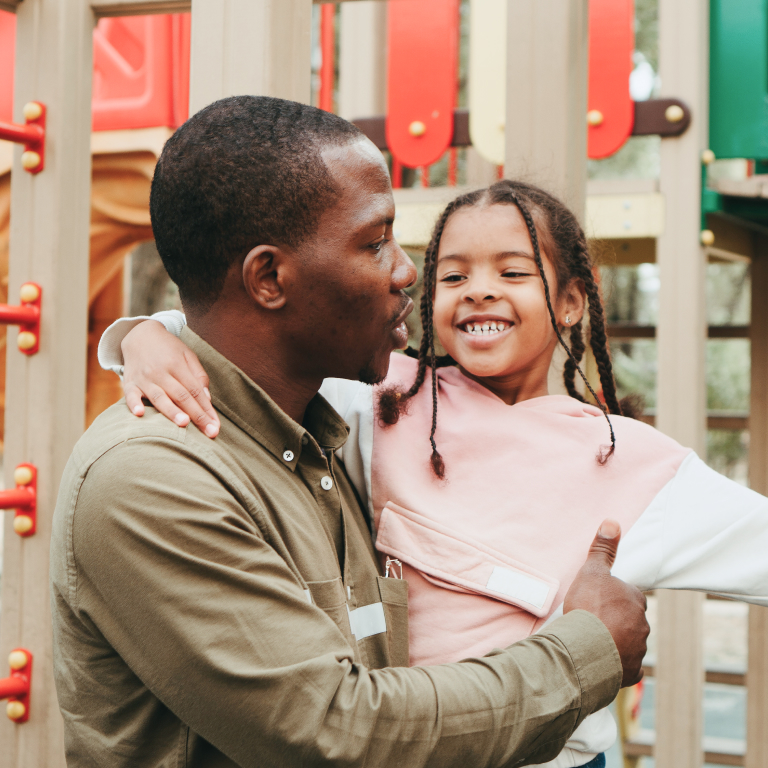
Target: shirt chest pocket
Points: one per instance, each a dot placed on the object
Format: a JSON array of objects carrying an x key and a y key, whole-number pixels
[{"x": 378, "y": 631}]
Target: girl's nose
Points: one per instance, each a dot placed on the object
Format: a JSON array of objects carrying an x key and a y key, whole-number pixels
[{"x": 479, "y": 293}]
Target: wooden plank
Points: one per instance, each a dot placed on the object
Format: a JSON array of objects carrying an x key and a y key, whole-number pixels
[
  {"x": 260, "y": 47},
  {"x": 363, "y": 59},
  {"x": 757, "y": 669},
  {"x": 45, "y": 407},
  {"x": 681, "y": 353},
  {"x": 104, "y": 8},
  {"x": 546, "y": 127}
]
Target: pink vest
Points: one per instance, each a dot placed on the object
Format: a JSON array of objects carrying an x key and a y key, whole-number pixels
[{"x": 490, "y": 551}]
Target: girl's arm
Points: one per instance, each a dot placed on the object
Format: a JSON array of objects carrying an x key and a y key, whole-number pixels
[
  {"x": 156, "y": 365},
  {"x": 702, "y": 532}
]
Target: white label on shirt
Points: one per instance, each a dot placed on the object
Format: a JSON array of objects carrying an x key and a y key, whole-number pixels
[
  {"x": 368, "y": 620},
  {"x": 308, "y": 595},
  {"x": 518, "y": 586}
]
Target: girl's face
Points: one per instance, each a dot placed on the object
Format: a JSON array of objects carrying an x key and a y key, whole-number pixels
[{"x": 490, "y": 309}]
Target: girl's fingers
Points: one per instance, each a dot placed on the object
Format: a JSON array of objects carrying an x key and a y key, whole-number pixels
[
  {"x": 189, "y": 393},
  {"x": 162, "y": 403},
  {"x": 133, "y": 397}
]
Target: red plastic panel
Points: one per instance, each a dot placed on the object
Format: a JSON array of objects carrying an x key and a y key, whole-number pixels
[
  {"x": 140, "y": 79},
  {"x": 611, "y": 43},
  {"x": 422, "y": 78},
  {"x": 7, "y": 53}
]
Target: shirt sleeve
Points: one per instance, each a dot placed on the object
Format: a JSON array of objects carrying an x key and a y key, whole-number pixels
[
  {"x": 702, "y": 532},
  {"x": 111, "y": 355},
  {"x": 174, "y": 572}
]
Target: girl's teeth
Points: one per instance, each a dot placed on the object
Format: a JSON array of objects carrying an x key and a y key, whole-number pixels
[{"x": 485, "y": 329}]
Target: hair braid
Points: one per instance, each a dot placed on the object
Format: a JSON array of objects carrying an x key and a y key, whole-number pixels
[
  {"x": 571, "y": 363},
  {"x": 602, "y": 457}
]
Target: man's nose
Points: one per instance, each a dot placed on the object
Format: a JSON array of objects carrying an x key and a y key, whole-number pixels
[{"x": 404, "y": 274}]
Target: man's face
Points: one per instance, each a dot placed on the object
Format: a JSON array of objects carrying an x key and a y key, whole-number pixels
[{"x": 349, "y": 302}]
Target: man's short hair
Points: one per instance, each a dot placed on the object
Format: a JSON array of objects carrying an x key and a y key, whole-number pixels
[{"x": 244, "y": 171}]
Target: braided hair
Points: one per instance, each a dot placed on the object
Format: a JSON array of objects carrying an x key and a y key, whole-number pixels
[{"x": 566, "y": 243}]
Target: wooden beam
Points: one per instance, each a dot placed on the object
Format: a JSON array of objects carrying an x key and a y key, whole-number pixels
[
  {"x": 363, "y": 59},
  {"x": 681, "y": 339},
  {"x": 546, "y": 125},
  {"x": 45, "y": 406},
  {"x": 757, "y": 668},
  {"x": 102, "y": 8},
  {"x": 250, "y": 46}
]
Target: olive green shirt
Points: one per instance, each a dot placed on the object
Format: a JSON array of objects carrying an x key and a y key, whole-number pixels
[{"x": 219, "y": 603}]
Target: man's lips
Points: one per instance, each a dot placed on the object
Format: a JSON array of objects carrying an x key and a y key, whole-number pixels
[{"x": 400, "y": 330}]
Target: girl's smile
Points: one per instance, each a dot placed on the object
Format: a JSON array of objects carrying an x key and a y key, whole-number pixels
[{"x": 491, "y": 314}]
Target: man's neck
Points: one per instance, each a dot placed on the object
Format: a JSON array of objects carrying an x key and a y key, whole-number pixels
[{"x": 262, "y": 358}]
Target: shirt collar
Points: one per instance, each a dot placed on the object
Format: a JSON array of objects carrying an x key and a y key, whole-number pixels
[{"x": 246, "y": 404}]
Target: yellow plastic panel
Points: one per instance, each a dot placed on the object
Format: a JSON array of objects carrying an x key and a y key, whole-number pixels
[{"x": 487, "y": 77}]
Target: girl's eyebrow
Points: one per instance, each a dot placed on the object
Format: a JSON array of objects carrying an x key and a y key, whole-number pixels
[{"x": 498, "y": 257}]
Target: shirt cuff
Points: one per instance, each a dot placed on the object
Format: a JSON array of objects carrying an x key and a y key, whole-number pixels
[
  {"x": 595, "y": 658},
  {"x": 110, "y": 353}
]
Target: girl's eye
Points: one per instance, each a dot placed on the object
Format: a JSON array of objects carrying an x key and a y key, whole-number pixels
[
  {"x": 512, "y": 273},
  {"x": 451, "y": 278}
]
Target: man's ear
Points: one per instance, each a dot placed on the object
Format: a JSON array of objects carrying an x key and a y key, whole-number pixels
[
  {"x": 574, "y": 301},
  {"x": 265, "y": 273}
]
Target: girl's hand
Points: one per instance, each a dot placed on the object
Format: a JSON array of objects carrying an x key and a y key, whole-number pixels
[{"x": 162, "y": 369}]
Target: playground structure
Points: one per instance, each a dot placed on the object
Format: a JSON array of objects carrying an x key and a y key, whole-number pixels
[{"x": 548, "y": 86}]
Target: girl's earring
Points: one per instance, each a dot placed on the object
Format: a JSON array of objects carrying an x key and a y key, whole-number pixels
[{"x": 567, "y": 319}]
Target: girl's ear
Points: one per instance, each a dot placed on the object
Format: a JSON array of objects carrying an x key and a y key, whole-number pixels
[{"x": 574, "y": 299}]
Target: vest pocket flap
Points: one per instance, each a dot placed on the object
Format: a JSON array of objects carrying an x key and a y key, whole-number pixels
[{"x": 438, "y": 552}]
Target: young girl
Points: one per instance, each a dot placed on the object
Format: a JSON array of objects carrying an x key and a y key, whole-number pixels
[{"x": 484, "y": 489}]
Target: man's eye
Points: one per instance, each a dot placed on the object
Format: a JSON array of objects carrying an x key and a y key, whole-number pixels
[{"x": 379, "y": 245}]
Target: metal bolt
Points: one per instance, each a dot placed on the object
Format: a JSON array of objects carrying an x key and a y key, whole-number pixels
[
  {"x": 707, "y": 237},
  {"x": 707, "y": 157},
  {"x": 15, "y": 710},
  {"x": 417, "y": 128},
  {"x": 29, "y": 293},
  {"x": 595, "y": 117},
  {"x": 30, "y": 160},
  {"x": 32, "y": 110},
  {"x": 17, "y": 660},
  {"x": 22, "y": 524},
  {"x": 674, "y": 113},
  {"x": 26, "y": 340},
  {"x": 22, "y": 475}
]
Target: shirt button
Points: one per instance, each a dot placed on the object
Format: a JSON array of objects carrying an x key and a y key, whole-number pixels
[
  {"x": 288, "y": 455},
  {"x": 326, "y": 483},
  {"x": 304, "y": 439}
]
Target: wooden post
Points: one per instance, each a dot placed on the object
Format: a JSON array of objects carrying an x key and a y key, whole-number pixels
[
  {"x": 546, "y": 125},
  {"x": 362, "y": 59},
  {"x": 757, "y": 670},
  {"x": 259, "y": 47},
  {"x": 681, "y": 338},
  {"x": 45, "y": 411}
]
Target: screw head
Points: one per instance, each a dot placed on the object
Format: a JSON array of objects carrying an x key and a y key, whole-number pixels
[
  {"x": 29, "y": 293},
  {"x": 595, "y": 117},
  {"x": 417, "y": 128},
  {"x": 674, "y": 113},
  {"x": 30, "y": 160},
  {"x": 32, "y": 110},
  {"x": 17, "y": 660},
  {"x": 22, "y": 475},
  {"x": 707, "y": 237},
  {"x": 15, "y": 710},
  {"x": 22, "y": 524},
  {"x": 707, "y": 157},
  {"x": 26, "y": 340}
]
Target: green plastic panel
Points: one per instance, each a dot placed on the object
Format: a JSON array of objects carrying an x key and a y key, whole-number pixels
[{"x": 738, "y": 103}]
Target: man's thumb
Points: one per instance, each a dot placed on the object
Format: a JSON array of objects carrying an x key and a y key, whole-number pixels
[{"x": 605, "y": 544}]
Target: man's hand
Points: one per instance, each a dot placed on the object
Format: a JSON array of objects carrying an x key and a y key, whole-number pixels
[
  {"x": 619, "y": 606},
  {"x": 166, "y": 372}
]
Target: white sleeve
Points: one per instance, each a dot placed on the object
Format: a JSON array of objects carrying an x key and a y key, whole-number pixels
[
  {"x": 702, "y": 532},
  {"x": 353, "y": 401},
  {"x": 111, "y": 355}
]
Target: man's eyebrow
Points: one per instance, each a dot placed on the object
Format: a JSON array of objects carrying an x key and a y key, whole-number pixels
[{"x": 384, "y": 221}]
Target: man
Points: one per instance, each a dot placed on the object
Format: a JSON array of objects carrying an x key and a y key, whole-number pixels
[{"x": 205, "y": 593}]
